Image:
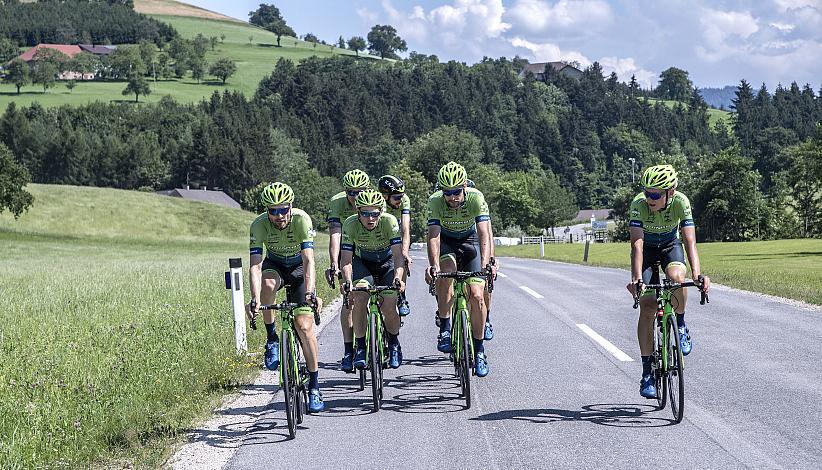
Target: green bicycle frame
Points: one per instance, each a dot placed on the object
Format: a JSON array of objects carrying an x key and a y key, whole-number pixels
[
  {"x": 375, "y": 315},
  {"x": 287, "y": 323},
  {"x": 460, "y": 305},
  {"x": 664, "y": 309}
]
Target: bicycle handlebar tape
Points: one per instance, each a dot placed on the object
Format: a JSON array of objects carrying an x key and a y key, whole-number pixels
[{"x": 237, "y": 303}]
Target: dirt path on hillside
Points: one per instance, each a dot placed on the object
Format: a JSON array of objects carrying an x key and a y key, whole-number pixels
[{"x": 172, "y": 8}]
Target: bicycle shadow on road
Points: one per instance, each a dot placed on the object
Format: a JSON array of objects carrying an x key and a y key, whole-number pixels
[{"x": 629, "y": 415}]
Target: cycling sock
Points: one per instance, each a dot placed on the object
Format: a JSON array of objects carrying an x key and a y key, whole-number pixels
[
  {"x": 393, "y": 339},
  {"x": 313, "y": 379},
  {"x": 271, "y": 333},
  {"x": 349, "y": 347},
  {"x": 360, "y": 342},
  {"x": 445, "y": 324},
  {"x": 646, "y": 365},
  {"x": 680, "y": 319},
  {"x": 478, "y": 347},
  {"x": 488, "y": 316}
]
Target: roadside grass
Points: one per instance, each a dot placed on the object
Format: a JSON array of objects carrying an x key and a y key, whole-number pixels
[
  {"x": 785, "y": 268},
  {"x": 117, "y": 328}
]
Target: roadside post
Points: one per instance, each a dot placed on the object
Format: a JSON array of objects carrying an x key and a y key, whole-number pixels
[
  {"x": 234, "y": 283},
  {"x": 587, "y": 243},
  {"x": 541, "y": 246}
]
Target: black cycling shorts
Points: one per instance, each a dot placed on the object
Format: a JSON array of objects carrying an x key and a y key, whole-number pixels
[
  {"x": 293, "y": 278},
  {"x": 376, "y": 273},
  {"x": 666, "y": 255},
  {"x": 465, "y": 251}
]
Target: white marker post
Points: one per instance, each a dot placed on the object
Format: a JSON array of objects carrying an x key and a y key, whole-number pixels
[
  {"x": 234, "y": 282},
  {"x": 542, "y": 246}
]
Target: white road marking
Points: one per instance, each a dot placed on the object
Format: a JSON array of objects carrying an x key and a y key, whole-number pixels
[
  {"x": 535, "y": 294},
  {"x": 605, "y": 343},
  {"x": 501, "y": 275}
]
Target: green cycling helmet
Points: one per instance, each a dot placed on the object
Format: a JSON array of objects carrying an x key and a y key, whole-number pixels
[
  {"x": 355, "y": 179},
  {"x": 659, "y": 177},
  {"x": 369, "y": 197},
  {"x": 451, "y": 175},
  {"x": 277, "y": 194}
]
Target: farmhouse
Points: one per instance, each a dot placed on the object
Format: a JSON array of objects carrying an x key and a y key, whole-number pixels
[{"x": 538, "y": 69}]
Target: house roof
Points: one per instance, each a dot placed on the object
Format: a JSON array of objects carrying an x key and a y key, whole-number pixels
[
  {"x": 98, "y": 50},
  {"x": 66, "y": 49},
  {"x": 539, "y": 67},
  {"x": 599, "y": 214},
  {"x": 213, "y": 197}
]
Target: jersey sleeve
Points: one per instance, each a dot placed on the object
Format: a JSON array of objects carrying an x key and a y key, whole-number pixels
[
  {"x": 348, "y": 237},
  {"x": 635, "y": 214},
  {"x": 256, "y": 239},
  {"x": 304, "y": 231},
  {"x": 393, "y": 229},
  {"x": 480, "y": 208},
  {"x": 686, "y": 216},
  {"x": 405, "y": 208},
  {"x": 434, "y": 211},
  {"x": 333, "y": 212}
]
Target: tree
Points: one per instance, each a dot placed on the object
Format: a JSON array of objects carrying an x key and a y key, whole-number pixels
[
  {"x": 70, "y": 84},
  {"x": 223, "y": 68},
  {"x": 17, "y": 73},
  {"x": 383, "y": 40},
  {"x": 418, "y": 190},
  {"x": 309, "y": 37},
  {"x": 137, "y": 85},
  {"x": 8, "y": 50},
  {"x": 148, "y": 53},
  {"x": 805, "y": 181},
  {"x": 13, "y": 178},
  {"x": 198, "y": 68},
  {"x": 269, "y": 18},
  {"x": 674, "y": 84},
  {"x": 357, "y": 44},
  {"x": 213, "y": 40},
  {"x": 200, "y": 46},
  {"x": 222, "y": 37},
  {"x": 85, "y": 64},
  {"x": 45, "y": 74},
  {"x": 341, "y": 43}
]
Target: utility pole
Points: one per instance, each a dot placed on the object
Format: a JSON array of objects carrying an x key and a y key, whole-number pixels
[{"x": 633, "y": 162}]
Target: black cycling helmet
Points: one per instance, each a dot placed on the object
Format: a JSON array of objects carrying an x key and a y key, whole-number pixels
[{"x": 391, "y": 185}]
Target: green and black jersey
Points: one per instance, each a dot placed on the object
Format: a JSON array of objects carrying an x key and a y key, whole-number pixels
[
  {"x": 371, "y": 245},
  {"x": 661, "y": 228},
  {"x": 461, "y": 222},
  {"x": 283, "y": 246}
]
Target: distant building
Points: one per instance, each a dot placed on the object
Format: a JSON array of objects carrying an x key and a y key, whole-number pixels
[
  {"x": 202, "y": 195},
  {"x": 69, "y": 50},
  {"x": 600, "y": 214},
  {"x": 538, "y": 70}
]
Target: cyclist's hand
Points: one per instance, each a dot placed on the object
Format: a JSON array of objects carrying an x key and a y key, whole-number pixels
[
  {"x": 330, "y": 274},
  {"x": 345, "y": 288},
  {"x": 318, "y": 304},
  {"x": 408, "y": 260},
  {"x": 635, "y": 287},
  {"x": 431, "y": 273},
  {"x": 399, "y": 285},
  {"x": 251, "y": 310},
  {"x": 706, "y": 283}
]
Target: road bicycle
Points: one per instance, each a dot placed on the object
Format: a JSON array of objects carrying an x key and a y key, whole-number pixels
[{"x": 667, "y": 365}]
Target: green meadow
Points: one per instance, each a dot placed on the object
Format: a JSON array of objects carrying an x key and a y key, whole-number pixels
[
  {"x": 117, "y": 328},
  {"x": 714, "y": 115},
  {"x": 255, "y": 59},
  {"x": 785, "y": 268}
]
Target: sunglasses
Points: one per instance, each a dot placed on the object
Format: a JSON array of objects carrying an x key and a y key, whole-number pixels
[
  {"x": 654, "y": 196},
  {"x": 281, "y": 211},
  {"x": 396, "y": 197},
  {"x": 369, "y": 214},
  {"x": 451, "y": 192},
  {"x": 354, "y": 193}
]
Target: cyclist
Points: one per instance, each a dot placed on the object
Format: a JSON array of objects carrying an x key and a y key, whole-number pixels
[
  {"x": 658, "y": 216},
  {"x": 340, "y": 208},
  {"x": 372, "y": 255},
  {"x": 398, "y": 204},
  {"x": 459, "y": 239},
  {"x": 286, "y": 236}
]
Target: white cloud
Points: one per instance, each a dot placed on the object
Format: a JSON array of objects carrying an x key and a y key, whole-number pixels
[
  {"x": 549, "y": 52},
  {"x": 785, "y": 5},
  {"x": 540, "y": 16},
  {"x": 367, "y": 15},
  {"x": 627, "y": 67},
  {"x": 783, "y": 27},
  {"x": 721, "y": 31}
]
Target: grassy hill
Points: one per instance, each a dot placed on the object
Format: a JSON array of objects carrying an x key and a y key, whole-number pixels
[
  {"x": 714, "y": 115},
  {"x": 117, "y": 331},
  {"x": 255, "y": 59}
]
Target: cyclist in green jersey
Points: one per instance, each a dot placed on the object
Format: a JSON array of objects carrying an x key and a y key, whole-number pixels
[
  {"x": 372, "y": 255},
  {"x": 398, "y": 204},
  {"x": 658, "y": 216},
  {"x": 286, "y": 236},
  {"x": 459, "y": 239},
  {"x": 340, "y": 208}
]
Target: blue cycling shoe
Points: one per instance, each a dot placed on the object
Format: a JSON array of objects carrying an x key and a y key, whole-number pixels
[
  {"x": 489, "y": 331},
  {"x": 394, "y": 356},
  {"x": 347, "y": 363},
  {"x": 647, "y": 387},
  {"x": 480, "y": 365},
  {"x": 685, "y": 340},
  {"x": 359, "y": 359},
  {"x": 403, "y": 308},
  {"x": 315, "y": 401},
  {"x": 444, "y": 342},
  {"x": 272, "y": 355}
]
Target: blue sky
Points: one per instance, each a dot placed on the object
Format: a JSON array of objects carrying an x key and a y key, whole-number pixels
[{"x": 717, "y": 42}]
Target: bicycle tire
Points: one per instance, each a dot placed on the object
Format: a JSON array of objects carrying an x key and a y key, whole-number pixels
[
  {"x": 675, "y": 376},
  {"x": 362, "y": 379},
  {"x": 289, "y": 385},
  {"x": 465, "y": 358},
  {"x": 375, "y": 363},
  {"x": 302, "y": 393},
  {"x": 659, "y": 372}
]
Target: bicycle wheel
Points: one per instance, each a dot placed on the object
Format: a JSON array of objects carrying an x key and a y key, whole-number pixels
[
  {"x": 659, "y": 372},
  {"x": 289, "y": 379},
  {"x": 302, "y": 393},
  {"x": 362, "y": 379},
  {"x": 375, "y": 362},
  {"x": 676, "y": 378},
  {"x": 465, "y": 360}
]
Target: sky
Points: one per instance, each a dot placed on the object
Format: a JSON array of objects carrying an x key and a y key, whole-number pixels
[{"x": 717, "y": 42}]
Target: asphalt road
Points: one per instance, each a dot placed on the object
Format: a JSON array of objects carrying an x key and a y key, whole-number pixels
[{"x": 555, "y": 398}]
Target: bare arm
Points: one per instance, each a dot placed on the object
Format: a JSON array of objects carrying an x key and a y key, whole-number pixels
[
  {"x": 335, "y": 232},
  {"x": 346, "y": 258},
  {"x": 434, "y": 246},
  {"x": 689, "y": 236},
  {"x": 255, "y": 277},
  {"x": 484, "y": 230},
  {"x": 406, "y": 235},
  {"x": 399, "y": 261},
  {"x": 309, "y": 270},
  {"x": 637, "y": 242}
]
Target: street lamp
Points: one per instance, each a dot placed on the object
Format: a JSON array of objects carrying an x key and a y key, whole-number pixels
[{"x": 633, "y": 162}]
